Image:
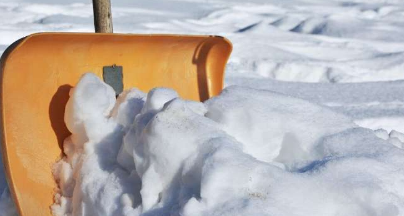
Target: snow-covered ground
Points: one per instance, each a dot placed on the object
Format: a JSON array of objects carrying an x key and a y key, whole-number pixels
[
  {"x": 299, "y": 40},
  {"x": 345, "y": 55},
  {"x": 245, "y": 152}
]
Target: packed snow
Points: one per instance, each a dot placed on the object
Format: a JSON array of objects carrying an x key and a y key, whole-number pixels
[
  {"x": 244, "y": 152},
  {"x": 342, "y": 59}
]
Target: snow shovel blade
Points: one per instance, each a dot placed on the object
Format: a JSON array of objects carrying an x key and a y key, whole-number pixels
[{"x": 39, "y": 70}]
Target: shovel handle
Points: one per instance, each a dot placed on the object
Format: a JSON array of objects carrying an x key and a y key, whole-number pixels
[{"x": 102, "y": 16}]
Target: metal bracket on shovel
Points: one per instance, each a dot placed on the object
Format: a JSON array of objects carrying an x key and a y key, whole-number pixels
[{"x": 113, "y": 76}]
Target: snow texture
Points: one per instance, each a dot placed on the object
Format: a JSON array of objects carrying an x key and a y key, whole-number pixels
[
  {"x": 298, "y": 40},
  {"x": 345, "y": 55},
  {"x": 244, "y": 152}
]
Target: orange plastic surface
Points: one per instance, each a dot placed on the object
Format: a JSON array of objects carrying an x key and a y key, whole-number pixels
[{"x": 39, "y": 70}]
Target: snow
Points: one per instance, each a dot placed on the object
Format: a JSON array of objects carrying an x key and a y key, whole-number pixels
[
  {"x": 373, "y": 105},
  {"x": 341, "y": 57},
  {"x": 299, "y": 40},
  {"x": 245, "y": 152},
  {"x": 271, "y": 125}
]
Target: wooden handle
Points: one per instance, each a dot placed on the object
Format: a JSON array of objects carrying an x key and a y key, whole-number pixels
[{"x": 102, "y": 16}]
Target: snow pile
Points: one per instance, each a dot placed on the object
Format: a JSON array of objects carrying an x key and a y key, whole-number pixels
[{"x": 245, "y": 152}]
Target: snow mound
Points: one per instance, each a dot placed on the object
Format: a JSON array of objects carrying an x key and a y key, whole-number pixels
[{"x": 245, "y": 152}]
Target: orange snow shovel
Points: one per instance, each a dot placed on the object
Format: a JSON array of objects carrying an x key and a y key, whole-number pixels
[{"x": 39, "y": 70}]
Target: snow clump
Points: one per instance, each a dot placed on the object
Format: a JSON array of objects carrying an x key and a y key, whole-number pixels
[{"x": 244, "y": 152}]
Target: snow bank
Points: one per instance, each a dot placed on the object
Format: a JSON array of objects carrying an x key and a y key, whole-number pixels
[{"x": 245, "y": 152}]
